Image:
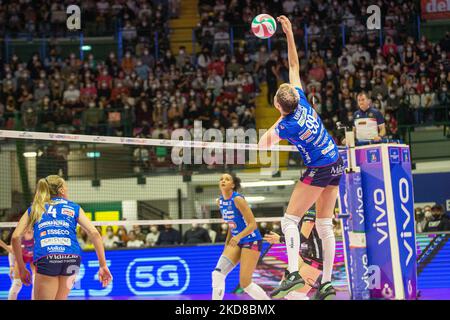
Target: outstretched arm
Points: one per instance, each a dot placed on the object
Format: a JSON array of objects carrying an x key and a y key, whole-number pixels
[
  {"x": 294, "y": 65},
  {"x": 270, "y": 137}
]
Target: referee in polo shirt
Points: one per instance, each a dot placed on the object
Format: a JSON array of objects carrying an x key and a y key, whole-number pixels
[{"x": 368, "y": 121}]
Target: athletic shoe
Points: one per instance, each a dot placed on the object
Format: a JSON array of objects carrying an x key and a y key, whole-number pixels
[
  {"x": 325, "y": 292},
  {"x": 294, "y": 295},
  {"x": 292, "y": 282}
]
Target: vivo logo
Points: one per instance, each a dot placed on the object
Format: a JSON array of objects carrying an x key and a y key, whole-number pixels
[
  {"x": 404, "y": 198},
  {"x": 360, "y": 210},
  {"x": 379, "y": 198},
  {"x": 153, "y": 276}
]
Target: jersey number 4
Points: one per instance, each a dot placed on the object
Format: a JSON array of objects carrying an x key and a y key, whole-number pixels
[{"x": 51, "y": 210}]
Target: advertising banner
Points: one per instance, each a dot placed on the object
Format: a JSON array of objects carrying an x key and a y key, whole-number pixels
[
  {"x": 380, "y": 274},
  {"x": 142, "y": 272},
  {"x": 403, "y": 198},
  {"x": 435, "y": 9}
]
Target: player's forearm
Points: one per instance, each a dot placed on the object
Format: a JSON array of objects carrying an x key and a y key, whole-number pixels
[
  {"x": 17, "y": 251},
  {"x": 97, "y": 241},
  {"x": 251, "y": 227},
  {"x": 266, "y": 140},
  {"x": 292, "y": 52}
]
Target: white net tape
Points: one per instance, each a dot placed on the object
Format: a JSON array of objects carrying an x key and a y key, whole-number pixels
[
  {"x": 138, "y": 141},
  {"x": 154, "y": 222}
]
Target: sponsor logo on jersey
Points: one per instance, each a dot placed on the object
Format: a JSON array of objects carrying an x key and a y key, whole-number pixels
[
  {"x": 328, "y": 148},
  {"x": 56, "y": 242},
  {"x": 56, "y": 249},
  {"x": 43, "y": 233},
  {"x": 68, "y": 212},
  {"x": 58, "y": 232},
  {"x": 302, "y": 120},
  {"x": 54, "y": 223},
  {"x": 310, "y": 139},
  {"x": 306, "y": 134},
  {"x": 312, "y": 173},
  {"x": 61, "y": 256}
]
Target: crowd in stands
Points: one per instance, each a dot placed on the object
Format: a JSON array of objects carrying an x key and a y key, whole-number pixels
[
  {"x": 431, "y": 219},
  {"x": 407, "y": 77},
  {"x": 143, "y": 94},
  {"x": 44, "y": 18}
]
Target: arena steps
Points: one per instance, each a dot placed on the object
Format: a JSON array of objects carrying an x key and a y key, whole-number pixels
[{"x": 181, "y": 28}]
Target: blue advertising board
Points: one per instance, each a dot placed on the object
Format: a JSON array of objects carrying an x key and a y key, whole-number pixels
[
  {"x": 379, "y": 251},
  {"x": 403, "y": 199},
  {"x": 150, "y": 271}
]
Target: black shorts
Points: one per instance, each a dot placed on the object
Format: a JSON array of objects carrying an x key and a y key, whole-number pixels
[
  {"x": 253, "y": 245},
  {"x": 58, "y": 265},
  {"x": 329, "y": 175}
]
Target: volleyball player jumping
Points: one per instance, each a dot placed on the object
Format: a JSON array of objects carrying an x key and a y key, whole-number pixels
[
  {"x": 54, "y": 219},
  {"x": 301, "y": 125},
  {"x": 243, "y": 243}
]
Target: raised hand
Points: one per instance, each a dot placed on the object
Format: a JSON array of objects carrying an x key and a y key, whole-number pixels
[{"x": 285, "y": 24}]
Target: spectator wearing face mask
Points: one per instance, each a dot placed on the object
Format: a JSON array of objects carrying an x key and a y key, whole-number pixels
[
  {"x": 437, "y": 222},
  {"x": 222, "y": 234},
  {"x": 427, "y": 102},
  {"x": 391, "y": 126},
  {"x": 420, "y": 220},
  {"x": 196, "y": 234},
  {"x": 133, "y": 242},
  {"x": 427, "y": 213},
  {"x": 168, "y": 236},
  {"x": 263, "y": 229},
  {"x": 110, "y": 240},
  {"x": 212, "y": 234},
  {"x": 152, "y": 236}
]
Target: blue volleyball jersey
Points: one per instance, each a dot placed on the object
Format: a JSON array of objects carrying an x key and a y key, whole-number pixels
[
  {"x": 56, "y": 232},
  {"x": 233, "y": 217},
  {"x": 304, "y": 129}
]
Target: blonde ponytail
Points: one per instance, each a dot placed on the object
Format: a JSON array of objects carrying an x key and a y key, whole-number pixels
[
  {"x": 41, "y": 197},
  {"x": 46, "y": 189}
]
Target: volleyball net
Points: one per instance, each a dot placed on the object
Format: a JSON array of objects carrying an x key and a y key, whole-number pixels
[{"x": 119, "y": 180}]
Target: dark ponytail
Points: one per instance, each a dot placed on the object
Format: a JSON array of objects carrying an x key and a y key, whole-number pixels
[{"x": 236, "y": 181}]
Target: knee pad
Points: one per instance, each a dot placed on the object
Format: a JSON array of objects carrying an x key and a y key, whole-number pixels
[
  {"x": 324, "y": 228},
  {"x": 289, "y": 221},
  {"x": 16, "y": 286},
  {"x": 224, "y": 265}
]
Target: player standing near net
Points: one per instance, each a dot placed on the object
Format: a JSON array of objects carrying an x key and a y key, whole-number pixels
[
  {"x": 27, "y": 244},
  {"x": 54, "y": 219},
  {"x": 243, "y": 243},
  {"x": 311, "y": 260},
  {"x": 301, "y": 126}
]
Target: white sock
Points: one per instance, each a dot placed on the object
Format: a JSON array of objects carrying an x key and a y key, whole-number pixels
[
  {"x": 295, "y": 295},
  {"x": 218, "y": 285},
  {"x": 32, "y": 288},
  {"x": 16, "y": 286},
  {"x": 256, "y": 292},
  {"x": 289, "y": 225},
  {"x": 324, "y": 228}
]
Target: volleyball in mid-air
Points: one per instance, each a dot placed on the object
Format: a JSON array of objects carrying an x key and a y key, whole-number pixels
[{"x": 264, "y": 26}]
